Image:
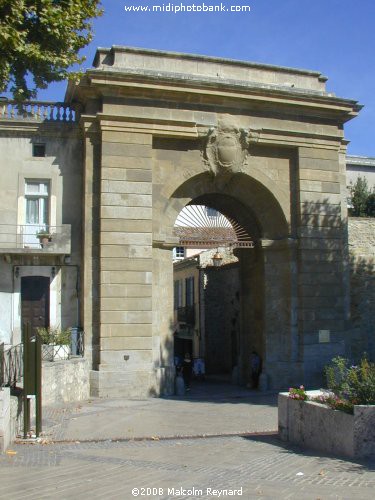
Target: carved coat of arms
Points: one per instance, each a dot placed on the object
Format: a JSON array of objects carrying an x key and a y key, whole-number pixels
[{"x": 226, "y": 149}]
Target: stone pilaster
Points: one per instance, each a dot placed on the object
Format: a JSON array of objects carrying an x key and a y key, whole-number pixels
[
  {"x": 322, "y": 239},
  {"x": 163, "y": 321},
  {"x": 282, "y": 353},
  {"x": 126, "y": 362},
  {"x": 90, "y": 261}
]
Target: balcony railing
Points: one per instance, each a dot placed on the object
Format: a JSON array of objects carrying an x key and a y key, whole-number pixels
[
  {"x": 11, "y": 364},
  {"x": 38, "y": 111},
  {"x": 186, "y": 315},
  {"x": 35, "y": 239}
]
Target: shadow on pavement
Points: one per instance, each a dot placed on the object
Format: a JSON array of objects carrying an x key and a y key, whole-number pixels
[
  {"x": 216, "y": 391},
  {"x": 344, "y": 464}
]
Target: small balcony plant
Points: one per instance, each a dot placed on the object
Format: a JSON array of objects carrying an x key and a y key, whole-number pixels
[{"x": 44, "y": 236}]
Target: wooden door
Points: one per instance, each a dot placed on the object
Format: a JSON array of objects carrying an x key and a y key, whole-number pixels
[{"x": 35, "y": 301}]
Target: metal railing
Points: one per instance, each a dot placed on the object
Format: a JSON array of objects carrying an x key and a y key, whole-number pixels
[
  {"x": 39, "y": 111},
  {"x": 186, "y": 315},
  {"x": 11, "y": 365},
  {"x": 34, "y": 236}
]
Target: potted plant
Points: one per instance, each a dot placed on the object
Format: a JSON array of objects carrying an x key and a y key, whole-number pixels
[
  {"x": 44, "y": 237},
  {"x": 55, "y": 343},
  {"x": 340, "y": 419}
]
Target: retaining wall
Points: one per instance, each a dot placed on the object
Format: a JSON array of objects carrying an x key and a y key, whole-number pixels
[
  {"x": 65, "y": 381},
  {"x": 5, "y": 437},
  {"x": 318, "y": 427}
]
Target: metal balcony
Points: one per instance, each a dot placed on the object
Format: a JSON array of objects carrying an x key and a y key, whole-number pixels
[
  {"x": 35, "y": 239},
  {"x": 186, "y": 315}
]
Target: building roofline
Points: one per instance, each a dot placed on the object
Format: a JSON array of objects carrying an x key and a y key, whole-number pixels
[
  {"x": 205, "y": 58},
  {"x": 368, "y": 161}
]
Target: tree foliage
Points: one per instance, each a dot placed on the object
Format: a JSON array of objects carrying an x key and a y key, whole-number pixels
[
  {"x": 362, "y": 199},
  {"x": 370, "y": 204},
  {"x": 41, "y": 39}
]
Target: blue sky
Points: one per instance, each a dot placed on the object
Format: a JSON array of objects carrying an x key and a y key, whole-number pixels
[{"x": 335, "y": 37}]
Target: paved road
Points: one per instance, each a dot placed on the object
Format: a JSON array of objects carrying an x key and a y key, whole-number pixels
[
  {"x": 259, "y": 466},
  {"x": 209, "y": 409}
]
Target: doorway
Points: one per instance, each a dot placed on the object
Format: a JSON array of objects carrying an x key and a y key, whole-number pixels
[{"x": 35, "y": 301}]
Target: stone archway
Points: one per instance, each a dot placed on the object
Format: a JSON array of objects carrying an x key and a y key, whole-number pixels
[
  {"x": 264, "y": 143},
  {"x": 265, "y": 271}
]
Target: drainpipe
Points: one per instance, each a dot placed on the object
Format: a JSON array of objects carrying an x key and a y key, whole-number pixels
[{"x": 77, "y": 268}]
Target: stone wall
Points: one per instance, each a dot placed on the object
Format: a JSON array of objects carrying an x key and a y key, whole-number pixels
[
  {"x": 362, "y": 280},
  {"x": 65, "y": 381},
  {"x": 315, "y": 426},
  {"x": 62, "y": 382},
  {"x": 61, "y": 169}
]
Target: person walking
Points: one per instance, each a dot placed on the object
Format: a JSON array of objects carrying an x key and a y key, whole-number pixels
[
  {"x": 256, "y": 368},
  {"x": 187, "y": 369}
]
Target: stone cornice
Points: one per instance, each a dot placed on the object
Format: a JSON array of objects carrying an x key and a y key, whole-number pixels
[
  {"x": 312, "y": 102},
  {"x": 22, "y": 128},
  {"x": 159, "y": 127},
  {"x": 154, "y": 126},
  {"x": 283, "y": 244},
  {"x": 360, "y": 161},
  {"x": 103, "y": 52}
]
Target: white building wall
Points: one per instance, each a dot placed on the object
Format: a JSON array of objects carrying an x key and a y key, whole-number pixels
[{"x": 62, "y": 169}]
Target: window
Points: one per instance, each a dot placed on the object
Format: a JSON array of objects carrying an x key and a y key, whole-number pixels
[
  {"x": 177, "y": 294},
  {"x": 39, "y": 150},
  {"x": 178, "y": 253},
  {"x": 211, "y": 212},
  {"x": 36, "y": 211},
  {"x": 37, "y": 203},
  {"x": 189, "y": 284}
]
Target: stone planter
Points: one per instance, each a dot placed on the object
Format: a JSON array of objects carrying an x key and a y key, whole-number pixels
[
  {"x": 318, "y": 427},
  {"x": 55, "y": 352}
]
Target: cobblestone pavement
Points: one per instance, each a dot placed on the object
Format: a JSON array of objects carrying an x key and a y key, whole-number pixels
[
  {"x": 262, "y": 466},
  {"x": 97, "y": 450},
  {"x": 209, "y": 409}
]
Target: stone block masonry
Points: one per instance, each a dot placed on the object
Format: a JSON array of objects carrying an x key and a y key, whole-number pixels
[
  {"x": 65, "y": 381},
  {"x": 125, "y": 240},
  {"x": 321, "y": 257},
  {"x": 168, "y": 136},
  {"x": 362, "y": 283},
  {"x": 315, "y": 426}
]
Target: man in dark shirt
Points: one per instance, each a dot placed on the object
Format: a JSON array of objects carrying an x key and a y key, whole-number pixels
[{"x": 187, "y": 368}]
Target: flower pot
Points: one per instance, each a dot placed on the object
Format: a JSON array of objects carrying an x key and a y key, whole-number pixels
[
  {"x": 44, "y": 240},
  {"x": 55, "y": 352}
]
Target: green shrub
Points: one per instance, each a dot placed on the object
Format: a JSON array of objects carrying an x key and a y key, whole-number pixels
[
  {"x": 352, "y": 385},
  {"x": 54, "y": 335},
  {"x": 362, "y": 199},
  {"x": 370, "y": 204}
]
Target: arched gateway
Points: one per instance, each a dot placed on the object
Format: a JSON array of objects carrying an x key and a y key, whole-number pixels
[{"x": 262, "y": 144}]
